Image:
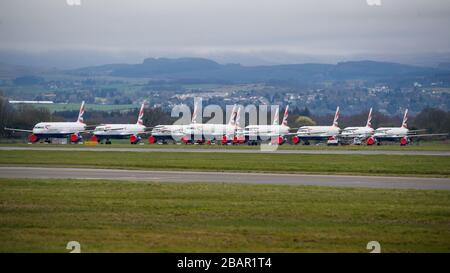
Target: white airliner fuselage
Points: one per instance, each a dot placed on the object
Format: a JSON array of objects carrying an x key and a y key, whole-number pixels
[
  {"x": 175, "y": 132},
  {"x": 318, "y": 132},
  {"x": 401, "y": 133},
  {"x": 329, "y": 133},
  {"x": 196, "y": 132},
  {"x": 359, "y": 134},
  {"x": 48, "y": 130},
  {"x": 212, "y": 130},
  {"x": 391, "y": 132},
  {"x": 118, "y": 131},
  {"x": 58, "y": 128},
  {"x": 265, "y": 132},
  {"x": 115, "y": 130}
]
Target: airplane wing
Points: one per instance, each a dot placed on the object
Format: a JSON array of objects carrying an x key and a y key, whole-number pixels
[
  {"x": 427, "y": 135},
  {"x": 354, "y": 135},
  {"x": 18, "y": 130},
  {"x": 145, "y": 133},
  {"x": 273, "y": 135},
  {"x": 420, "y": 130},
  {"x": 91, "y": 127},
  {"x": 312, "y": 134},
  {"x": 88, "y": 131},
  {"x": 67, "y": 132},
  {"x": 114, "y": 129}
]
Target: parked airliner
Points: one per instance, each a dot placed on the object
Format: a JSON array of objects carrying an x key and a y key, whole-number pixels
[
  {"x": 401, "y": 134},
  {"x": 121, "y": 131},
  {"x": 48, "y": 130},
  {"x": 357, "y": 135},
  {"x": 177, "y": 132},
  {"x": 329, "y": 133},
  {"x": 207, "y": 132},
  {"x": 257, "y": 133},
  {"x": 172, "y": 132}
]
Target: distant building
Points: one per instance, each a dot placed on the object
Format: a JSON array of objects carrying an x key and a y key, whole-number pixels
[{"x": 31, "y": 101}]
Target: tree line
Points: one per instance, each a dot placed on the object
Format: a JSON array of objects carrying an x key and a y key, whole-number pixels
[{"x": 24, "y": 116}]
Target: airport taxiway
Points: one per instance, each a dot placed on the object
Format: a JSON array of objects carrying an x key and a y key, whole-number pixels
[{"x": 227, "y": 177}]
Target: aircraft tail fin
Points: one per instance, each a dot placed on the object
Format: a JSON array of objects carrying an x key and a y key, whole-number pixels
[
  {"x": 285, "y": 116},
  {"x": 405, "y": 119},
  {"x": 81, "y": 113},
  {"x": 369, "y": 119},
  {"x": 232, "y": 120},
  {"x": 238, "y": 117},
  {"x": 195, "y": 113},
  {"x": 140, "y": 120},
  {"x": 336, "y": 117},
  {"x": 276, "y": 116}
]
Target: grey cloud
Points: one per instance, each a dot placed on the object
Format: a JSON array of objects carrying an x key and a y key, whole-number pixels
[{"x": 269, "y": 30}]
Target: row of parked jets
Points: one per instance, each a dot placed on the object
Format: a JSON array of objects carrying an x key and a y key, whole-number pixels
[{"x": 230, "y": 133}]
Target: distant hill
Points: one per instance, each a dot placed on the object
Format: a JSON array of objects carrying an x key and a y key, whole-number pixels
[
  {"x": 8, "y": 71},
  {"x": 198, "y": 69},
  {"x": 444, "y": 66}
]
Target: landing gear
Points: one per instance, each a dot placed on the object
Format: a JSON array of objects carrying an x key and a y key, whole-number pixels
[
  {"x": 33, "y": 138},
  {"x": 94, "y": 138},
  {"x": 403, "y": 141},
  {"x": 332, "y": 141},
  {"x": 224, "y": 140},
  {"x": 152, "y": 140},
  {"x": 134, "y": 139},
  {"x": 186, "y": 139},
  {"x": 370, "y": 141}
]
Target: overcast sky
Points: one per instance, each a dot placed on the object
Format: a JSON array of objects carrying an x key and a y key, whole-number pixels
[{"x": 245, "y": 31}]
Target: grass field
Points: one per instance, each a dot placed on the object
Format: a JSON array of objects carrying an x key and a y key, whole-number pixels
[
  {"x": 421, "y": 146},
  {"x": 284, "y": 163},
  {"x": 121, "y": 216}
]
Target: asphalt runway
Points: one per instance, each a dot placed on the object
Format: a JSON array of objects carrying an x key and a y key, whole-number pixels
[
  {"x": 236, "y": 151},
  {"x": 228, "y": 177}
]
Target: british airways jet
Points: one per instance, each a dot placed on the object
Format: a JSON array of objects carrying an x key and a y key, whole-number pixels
[
  {"x": 401, "y": 134},
  {"x": 359, "y": 135},
  {"x": 121, "y": 131},
  {"x": 277, "y": 132},
  {"x": 328, "y": 133},
  {"x": 48, "y": 130}
]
